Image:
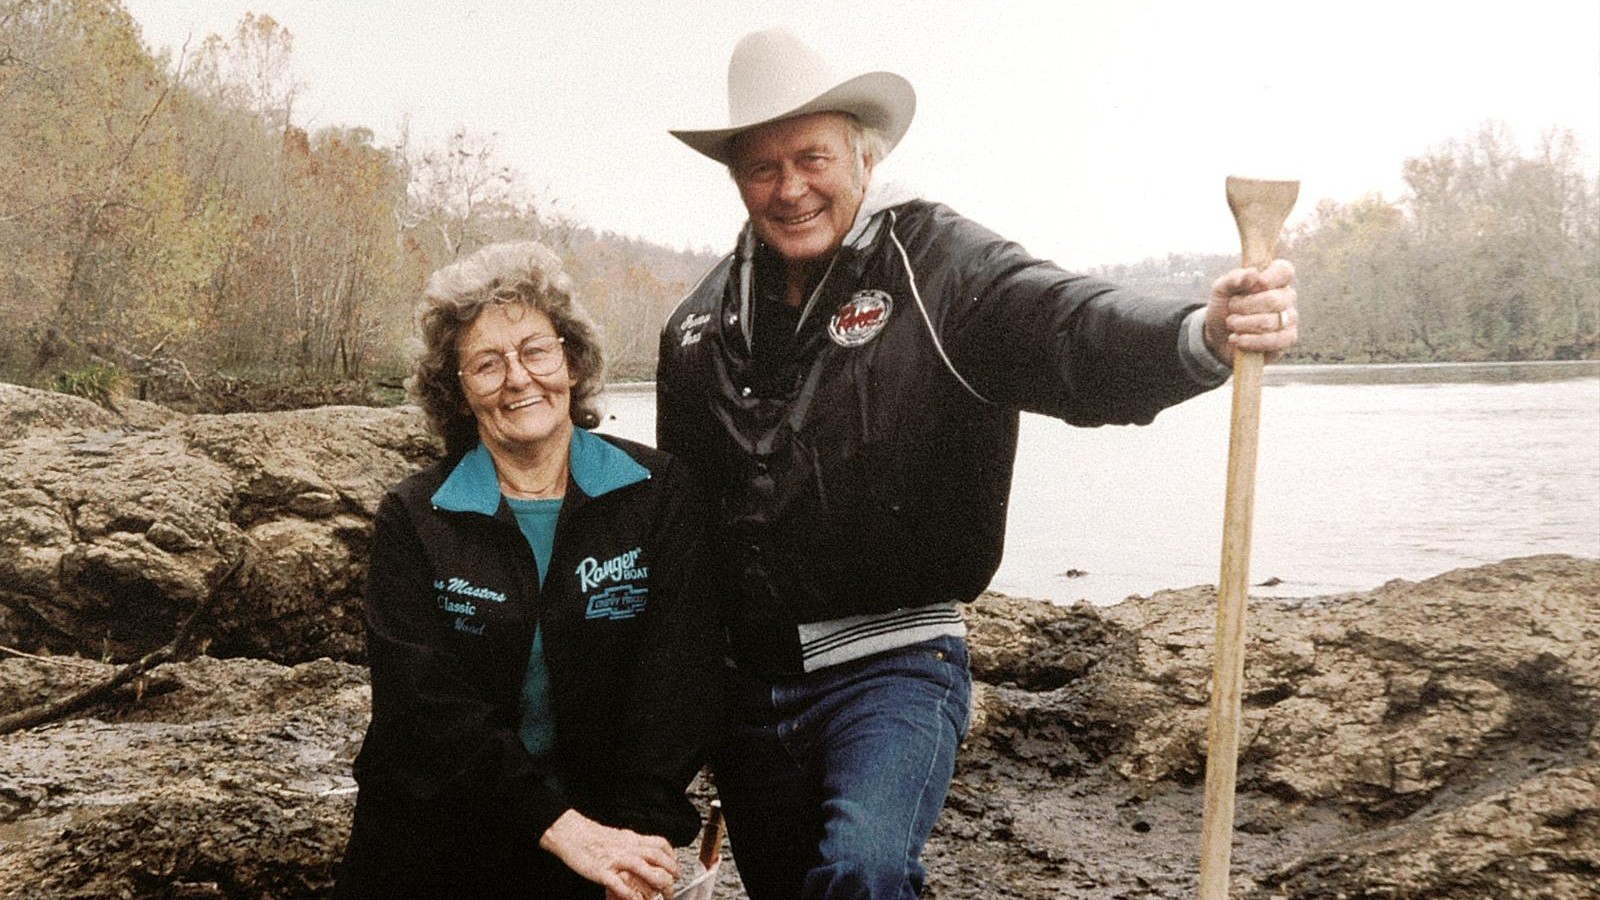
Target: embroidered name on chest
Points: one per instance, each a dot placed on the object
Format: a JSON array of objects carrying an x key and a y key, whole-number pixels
[{"x": 691, "y": 329}]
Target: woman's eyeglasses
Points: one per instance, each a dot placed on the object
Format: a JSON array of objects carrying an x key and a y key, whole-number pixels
[{"x": 486, "y": 372}]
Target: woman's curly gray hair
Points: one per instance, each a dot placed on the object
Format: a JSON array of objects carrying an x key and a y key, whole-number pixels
[{"x": 525, "y": 273}]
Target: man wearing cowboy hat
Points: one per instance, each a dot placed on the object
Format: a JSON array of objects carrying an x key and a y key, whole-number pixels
[{"x": 849, "y": 380}]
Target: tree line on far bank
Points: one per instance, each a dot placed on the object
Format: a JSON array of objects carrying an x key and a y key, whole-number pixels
[
  {"x": 1491, "y": 254},
  {"x": 167, "y": 224}
]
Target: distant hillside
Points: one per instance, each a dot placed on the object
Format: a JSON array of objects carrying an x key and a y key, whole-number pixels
[{"x": 631, "y": 285}]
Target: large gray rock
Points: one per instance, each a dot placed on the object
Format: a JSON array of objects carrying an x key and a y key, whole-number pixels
[
  {"x": 114, "y": 524},
  {"x": 1423, "y": 741},
  {"x": 230, "y": 779}
]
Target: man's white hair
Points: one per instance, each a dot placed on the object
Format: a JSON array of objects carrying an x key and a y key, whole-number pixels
[{"x": 866, "y": 143}]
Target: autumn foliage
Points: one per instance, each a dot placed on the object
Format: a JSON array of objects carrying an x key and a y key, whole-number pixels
[{"x": 166, "y": 223}]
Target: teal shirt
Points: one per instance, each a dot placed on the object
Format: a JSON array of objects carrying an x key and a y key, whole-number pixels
[{"x": 537, "y": 519}]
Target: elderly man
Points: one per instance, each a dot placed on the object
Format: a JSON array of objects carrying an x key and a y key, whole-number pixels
[{"x": 849, "y": 380}]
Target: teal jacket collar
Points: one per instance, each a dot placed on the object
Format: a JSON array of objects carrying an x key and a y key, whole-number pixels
[{"x": 596, "y": 466}]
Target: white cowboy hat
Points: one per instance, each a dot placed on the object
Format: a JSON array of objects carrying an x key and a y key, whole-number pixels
[{"x": 773, "y": 75}]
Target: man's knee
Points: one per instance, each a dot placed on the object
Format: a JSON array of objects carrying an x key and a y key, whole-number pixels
[
  {"x": 868, "y": 855},
  {"x": 868, "y": 876}
]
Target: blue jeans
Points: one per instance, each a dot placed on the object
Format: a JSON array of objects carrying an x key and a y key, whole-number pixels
[{"x": 832, "y": 780}]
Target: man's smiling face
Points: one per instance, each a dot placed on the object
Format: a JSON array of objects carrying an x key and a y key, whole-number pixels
[{"x": 801, "y": 184}]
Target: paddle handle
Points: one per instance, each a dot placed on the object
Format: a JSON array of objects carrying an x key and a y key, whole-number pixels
[
  {"x": 1233, "y": 588},
  {"x": 1259, "y": 209}
]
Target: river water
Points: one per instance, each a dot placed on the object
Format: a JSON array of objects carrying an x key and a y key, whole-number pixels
[{"x": 1366, "y": 473}]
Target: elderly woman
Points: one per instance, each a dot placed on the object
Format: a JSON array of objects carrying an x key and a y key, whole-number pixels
[{"x": 544, "y": 651}]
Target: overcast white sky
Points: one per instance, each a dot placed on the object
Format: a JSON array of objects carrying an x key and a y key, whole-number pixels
[{"x": 1092, "y": 132}]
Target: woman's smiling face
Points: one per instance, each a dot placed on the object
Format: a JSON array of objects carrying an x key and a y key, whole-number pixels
[{"x": 527, "y": 410}]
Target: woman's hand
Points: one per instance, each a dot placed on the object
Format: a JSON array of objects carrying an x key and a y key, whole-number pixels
[{"x": 629, "y": 865}]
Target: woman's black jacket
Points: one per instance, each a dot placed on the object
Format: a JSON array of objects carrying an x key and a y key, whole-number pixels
[{"x": 631, "y": 642}]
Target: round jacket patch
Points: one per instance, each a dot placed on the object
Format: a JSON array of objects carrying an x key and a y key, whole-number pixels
[{"x": 860, "y": 318}]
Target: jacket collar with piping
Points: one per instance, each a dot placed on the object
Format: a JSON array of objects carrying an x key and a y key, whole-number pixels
[
  {"x": 596, "y": 467},
  {"x": 881, "y": 194}
]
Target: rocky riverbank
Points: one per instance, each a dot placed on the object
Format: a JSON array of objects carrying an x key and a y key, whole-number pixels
[
  {"x": 1424, "y": 740},
  {"x": 1437, "y": 739}
]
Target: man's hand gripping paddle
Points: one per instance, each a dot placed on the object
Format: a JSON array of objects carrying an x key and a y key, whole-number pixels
[{"x": 1259, "y": 208}]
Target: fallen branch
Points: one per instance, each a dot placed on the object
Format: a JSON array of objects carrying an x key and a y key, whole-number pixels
[
  {"x": 51, "y": 710},
  {"x": 53, "y": 660}
]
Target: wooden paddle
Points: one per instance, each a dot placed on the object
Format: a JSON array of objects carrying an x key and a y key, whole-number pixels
[
  {"x": 1259, "y": 208},
  {"x": 711, "y": 836},
  {"x": 701, "y": 886}
]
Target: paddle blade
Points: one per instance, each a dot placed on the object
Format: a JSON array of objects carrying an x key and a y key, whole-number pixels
[{"x": 1259, "y": 209}]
